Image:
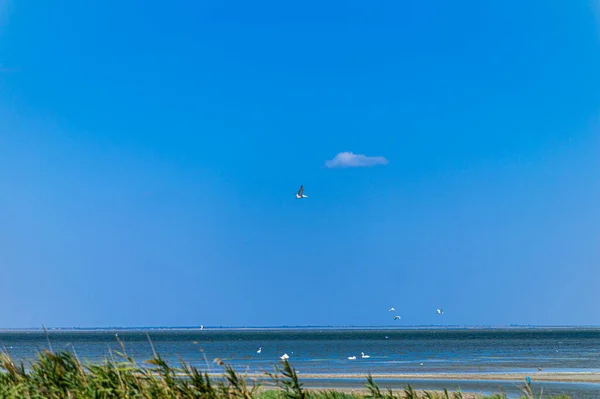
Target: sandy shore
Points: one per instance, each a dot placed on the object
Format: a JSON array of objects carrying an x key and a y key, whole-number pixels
[
  {"x": 360, "y": 391},
  {"x": 591, "y": 377},
  {"x": 335, "y": 381}
]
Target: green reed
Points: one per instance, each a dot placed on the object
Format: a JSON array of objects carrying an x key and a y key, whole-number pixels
[{"x": 58, "y": 375}]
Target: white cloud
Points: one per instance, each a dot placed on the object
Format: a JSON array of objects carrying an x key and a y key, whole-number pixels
[{"x": 351, "y": 160}]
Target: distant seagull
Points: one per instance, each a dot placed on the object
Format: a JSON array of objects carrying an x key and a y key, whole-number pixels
[
  {"x": 386, "y": 337},
  {"x": 201, "y": 327},
  {"x": 439, "y": 311},
  {"x": 421, "y": 364},
  {"x": 392, "y": 309},
  {"x": 284, "y": 357},
  {"x": 397, "y": 318},
  {"x": 300, "y": 193},
  {"x": 362, "y": 354},
  {"x": 259, "y": 350},
  {"x": 352, "y": 358}
]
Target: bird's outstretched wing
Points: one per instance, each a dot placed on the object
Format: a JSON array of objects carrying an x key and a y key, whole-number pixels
[{"x": 301, "y": 191}]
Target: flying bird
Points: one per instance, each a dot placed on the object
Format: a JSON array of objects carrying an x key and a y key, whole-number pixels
[
  {"x": 300, "y": 193},
  {"x": 362, "y": 354},
  {"x": 392, "y": 309},
  {"x": 397, "y": 318},
  {"x": 440, "y": 311},
  {"x": 259, "y": 350},
  {"x": 201, "y": 327}
]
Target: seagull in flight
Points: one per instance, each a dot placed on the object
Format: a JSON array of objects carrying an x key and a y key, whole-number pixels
[
  {"x": 201, "y": 327},
  {"x": 300, "y": 193},
  {"x": 440, "y": 311},
  {"x": 392, "y": 309},
  {"x": 397, "y": 318}
]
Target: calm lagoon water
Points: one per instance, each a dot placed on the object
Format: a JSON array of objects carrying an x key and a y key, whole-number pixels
[{"x": 327, "y": 350}]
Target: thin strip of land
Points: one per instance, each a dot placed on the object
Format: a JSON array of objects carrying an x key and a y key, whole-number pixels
[{"x": 588, "y": 377}]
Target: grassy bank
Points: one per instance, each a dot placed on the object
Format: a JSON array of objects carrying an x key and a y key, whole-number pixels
[{"x": 62, "y": 375}]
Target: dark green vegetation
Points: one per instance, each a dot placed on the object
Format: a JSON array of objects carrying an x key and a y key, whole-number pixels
[{"x": 62, "y": 375}]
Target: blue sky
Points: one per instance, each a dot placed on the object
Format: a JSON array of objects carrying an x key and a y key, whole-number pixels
[{"x": 150, "y": 153}]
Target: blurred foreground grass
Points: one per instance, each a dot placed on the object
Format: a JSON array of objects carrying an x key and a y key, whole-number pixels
[{"x": 62, "y": 375}]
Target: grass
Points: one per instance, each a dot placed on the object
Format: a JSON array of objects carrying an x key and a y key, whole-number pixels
[{"x": 58, "y": 375}]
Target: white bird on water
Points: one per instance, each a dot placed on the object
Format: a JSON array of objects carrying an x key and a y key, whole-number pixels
[
  {"x": 300, "y": 193},
  {"x": 440, "y": 311},
  {"x": 352, "y": 358},
  {"x": 259, "y": 350},
  {"x": 397, "y": 318},
  {"x": 201, "y": 327},
  {"x": 284, "y": 357},
  {"x": 362, "y": 354},
  {"x": 392, "y": 309}
]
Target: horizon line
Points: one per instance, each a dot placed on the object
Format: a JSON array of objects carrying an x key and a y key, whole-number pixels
[{"x": 199, "y": 327}]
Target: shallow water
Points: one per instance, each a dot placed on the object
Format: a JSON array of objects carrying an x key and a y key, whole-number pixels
[{"x": 327, "y": 350}]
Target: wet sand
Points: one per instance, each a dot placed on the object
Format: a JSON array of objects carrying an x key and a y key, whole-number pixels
[
  {"x": 364, "y": 392},
  {"x": 472, "y": 385},
  {"x": 591, "y": 377}
]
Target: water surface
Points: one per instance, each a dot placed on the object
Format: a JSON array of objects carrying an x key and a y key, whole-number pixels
[{"x": 327, "y": 350}]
